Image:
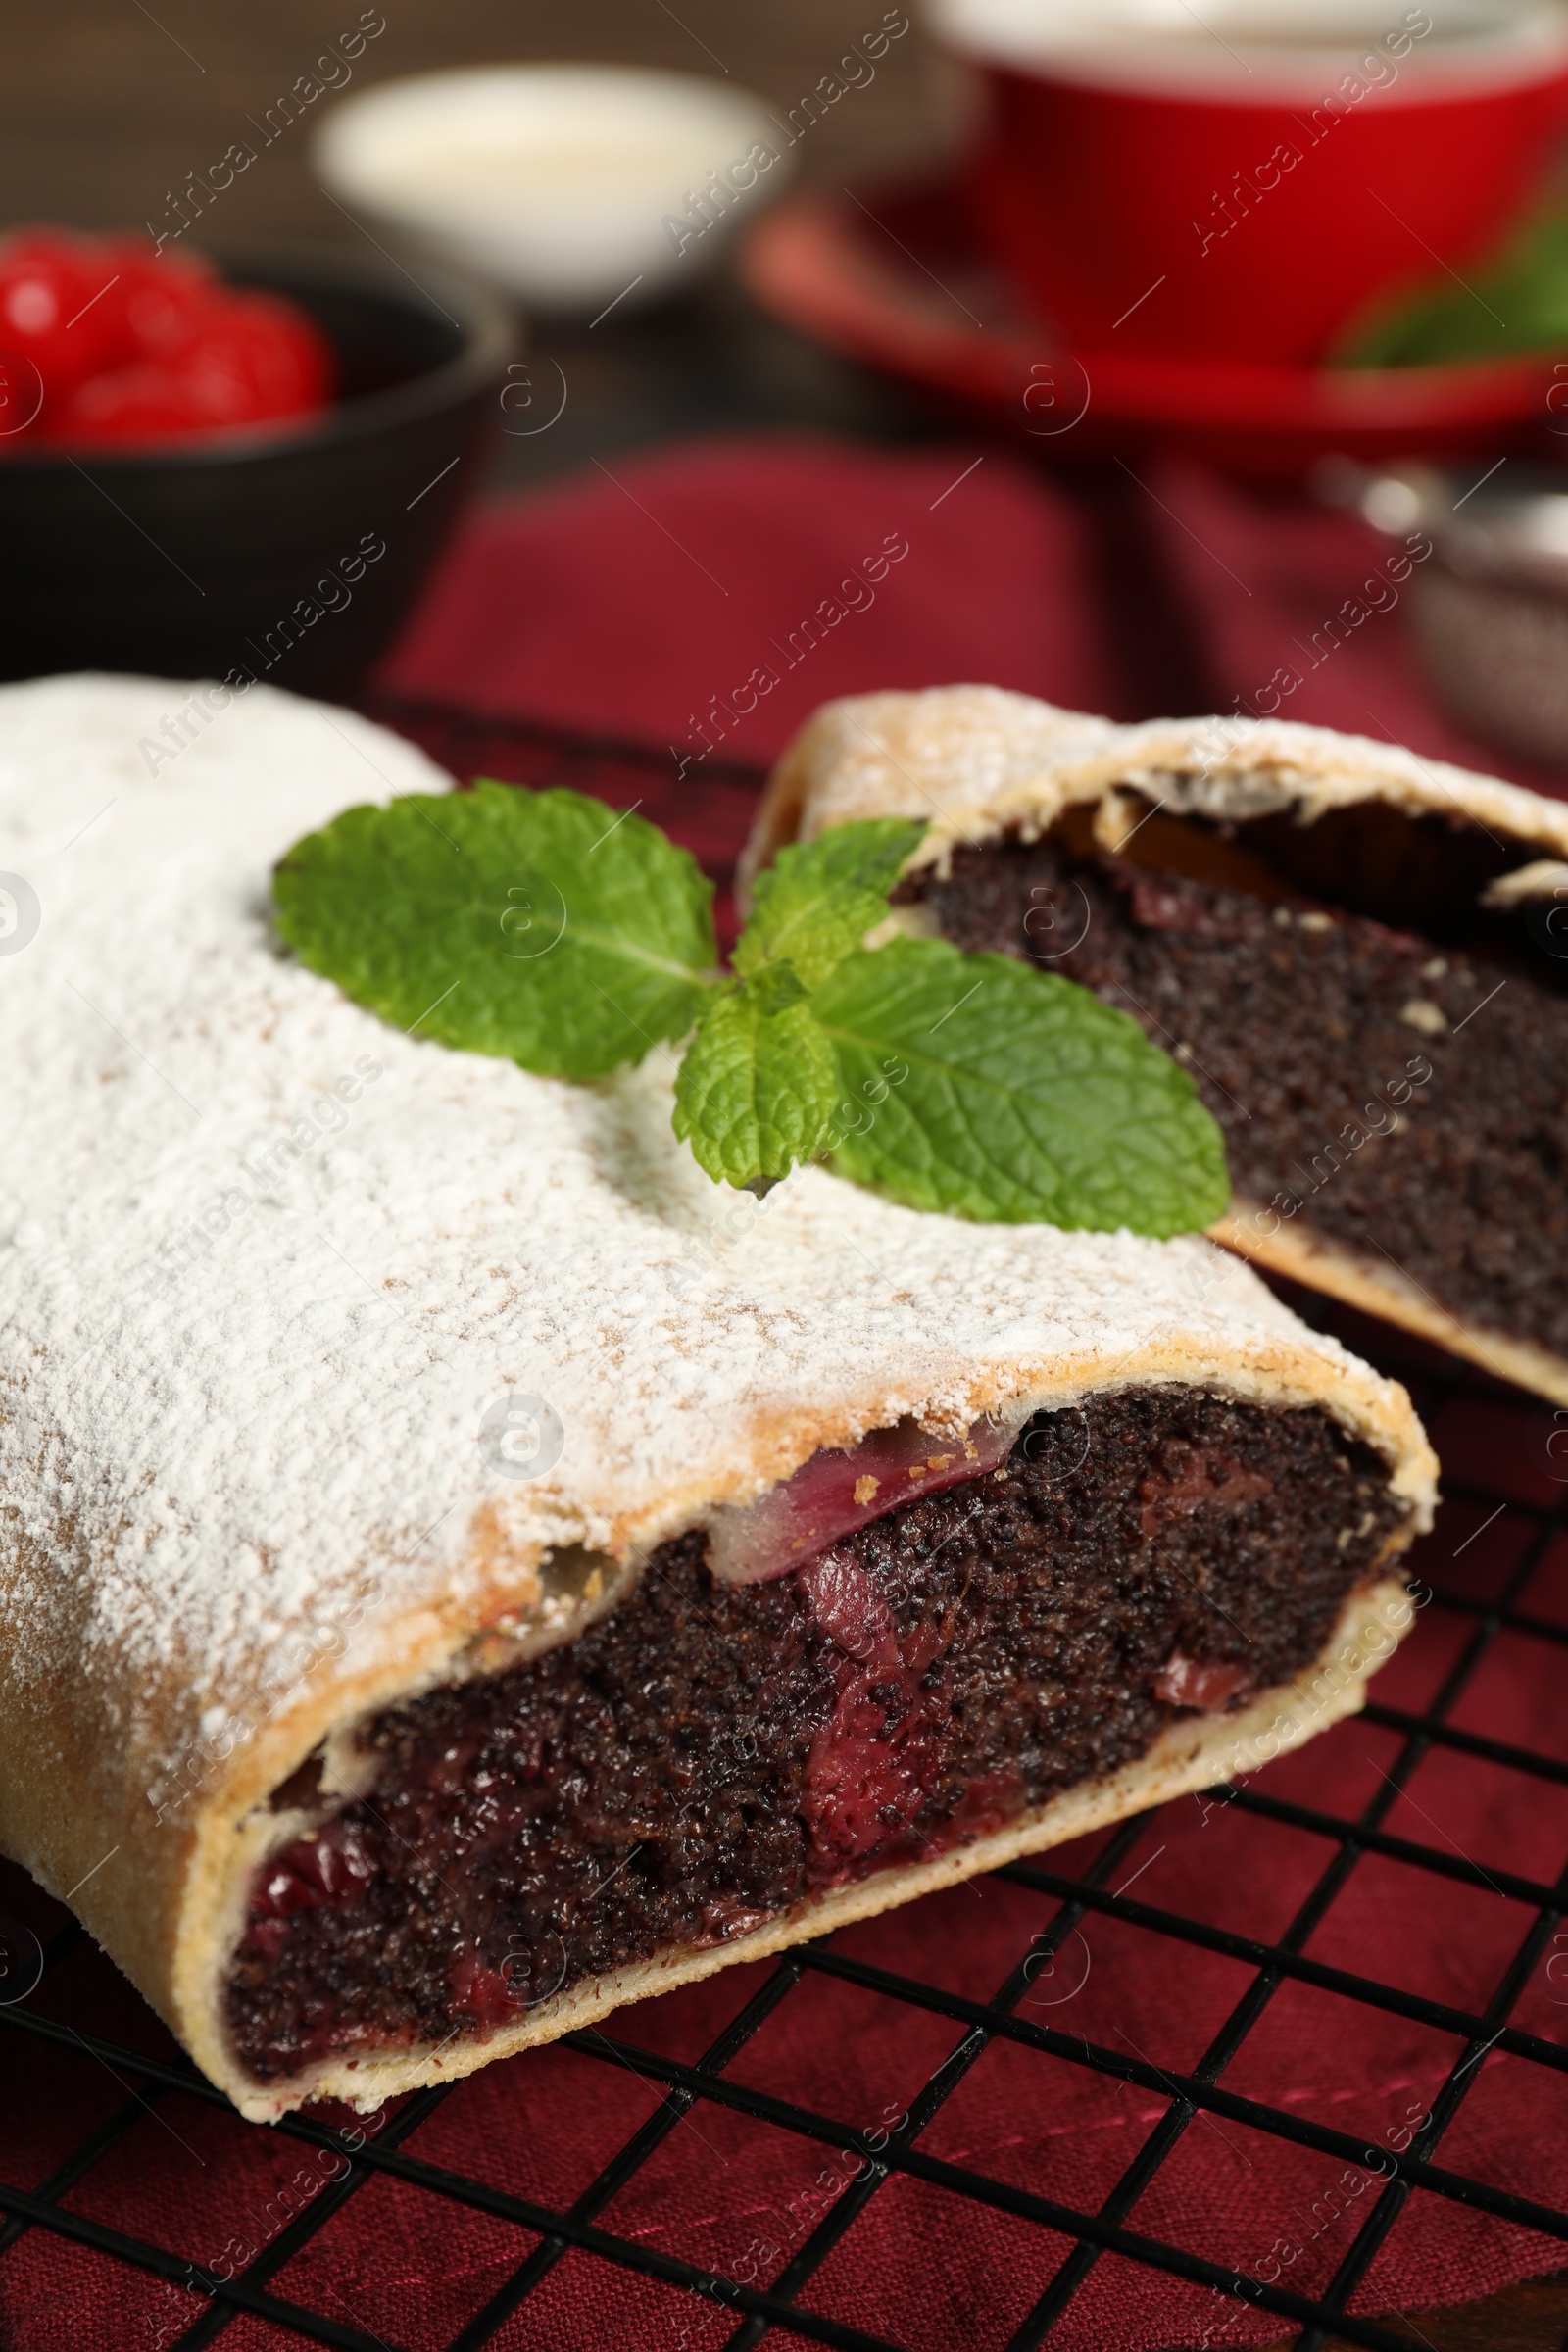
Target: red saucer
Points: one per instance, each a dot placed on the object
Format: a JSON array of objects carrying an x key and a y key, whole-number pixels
[{"x": 893, "y": 280}]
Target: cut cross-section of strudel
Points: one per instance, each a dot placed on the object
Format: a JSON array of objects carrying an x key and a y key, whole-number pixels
[
  {"x": 1362, "y": 956},
  {"x": 462, "y": 1569}
]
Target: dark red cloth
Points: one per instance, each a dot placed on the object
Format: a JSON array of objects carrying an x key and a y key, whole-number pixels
[
  {"x": 623, "y": 607},
  {"x": 629, "y": 602},
  {"x": 636, "y": 601}
]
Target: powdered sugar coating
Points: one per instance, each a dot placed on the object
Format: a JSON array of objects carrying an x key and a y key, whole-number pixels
[{"x": 241, "y": 1391}]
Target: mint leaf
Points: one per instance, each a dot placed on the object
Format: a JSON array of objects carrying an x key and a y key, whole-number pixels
[
  {"x": 1517, "y": 301},
  {"x": 538, "y": 925},
  {"x": 543, "y": 928},
  {"x": 1025, "y": 1097},
  {"x": 758, "y": 1085},
  {"x": 815, "y": 905}
]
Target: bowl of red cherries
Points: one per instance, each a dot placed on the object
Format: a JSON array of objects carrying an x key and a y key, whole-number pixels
[{"x": 221, "y": 471}]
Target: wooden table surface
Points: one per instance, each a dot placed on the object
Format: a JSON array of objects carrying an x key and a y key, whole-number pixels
[{"x": 106, "y": 105}]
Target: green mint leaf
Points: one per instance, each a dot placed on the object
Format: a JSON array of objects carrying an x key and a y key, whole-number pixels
[
  {"x": 776, "y": 987},
  {"x": 537, "y": 925},
  {"x": 1515, "y": 301},
  {"x": 757, "y": 1088},
  {"x": 817, "y": 902},
  {"x": 1022, "y": 1097}
]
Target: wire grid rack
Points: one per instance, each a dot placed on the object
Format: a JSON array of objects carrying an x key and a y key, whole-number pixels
[{"x": 712, "y": 815}]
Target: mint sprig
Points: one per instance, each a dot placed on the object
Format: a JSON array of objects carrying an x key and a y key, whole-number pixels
[{"x": 543, "y": 928}]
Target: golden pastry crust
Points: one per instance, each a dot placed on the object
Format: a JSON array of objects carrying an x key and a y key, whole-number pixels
[
  {"x": 1320, "y": 1264},
  {"x": 976, "y": 761}
]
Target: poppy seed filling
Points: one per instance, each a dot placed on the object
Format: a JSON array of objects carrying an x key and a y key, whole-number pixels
[
  {"x": 709, "y": 1756},
  {"x": 1406, "y": 1098}
]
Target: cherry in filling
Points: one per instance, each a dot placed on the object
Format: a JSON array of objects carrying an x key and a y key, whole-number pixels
[{"x": 711, "y": 1754}]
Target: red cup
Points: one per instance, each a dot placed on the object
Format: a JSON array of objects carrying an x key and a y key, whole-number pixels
[{"x": 1162, "y": 185}]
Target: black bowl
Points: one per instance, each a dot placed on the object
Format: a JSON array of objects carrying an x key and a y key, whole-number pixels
[{"x": 253, "y": 551}]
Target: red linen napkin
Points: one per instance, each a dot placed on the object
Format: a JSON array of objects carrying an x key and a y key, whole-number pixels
[
  {"x": 624, "y": 605},
  {"x": 644, "y": 601},
  {"x": 658, "y": 600}
]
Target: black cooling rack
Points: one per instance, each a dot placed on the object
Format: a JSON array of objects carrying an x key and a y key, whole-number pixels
[{"x": 781, "y": 2305}]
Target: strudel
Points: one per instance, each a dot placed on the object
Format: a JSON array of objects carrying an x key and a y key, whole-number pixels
[
  {"x": 464, "y": 1569},
  {"x": 1360, "y": 955}
]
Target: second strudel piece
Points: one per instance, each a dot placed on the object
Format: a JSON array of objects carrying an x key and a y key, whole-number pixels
[{"x": 1360, "y": 955}]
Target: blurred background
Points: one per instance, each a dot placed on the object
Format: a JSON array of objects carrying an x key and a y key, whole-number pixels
[
  {"x": 105, "y": 107},
  {"x": 1161, "y": 359},
  {"x": 107, "y": 110}
]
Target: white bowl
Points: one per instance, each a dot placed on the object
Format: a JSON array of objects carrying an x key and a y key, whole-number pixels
[{"x": 573, "y": 186}]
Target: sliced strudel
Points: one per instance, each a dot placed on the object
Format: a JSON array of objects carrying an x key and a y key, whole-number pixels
[
  {"x": 1361, "y": 957},
  {"x": 462, "y": 1568}
]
